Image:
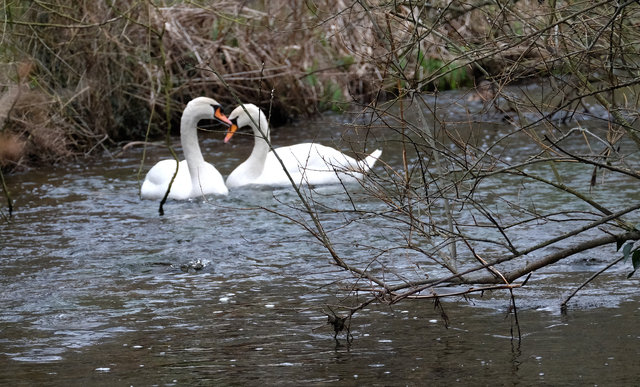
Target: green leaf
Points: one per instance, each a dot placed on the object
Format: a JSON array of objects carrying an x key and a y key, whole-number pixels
[
  {"x": 345, "y": 61},
  {"x": 635, "y": 260},
  {"x": 311, "y": 78},
  {"x": 421, "y": 59},
  {"x": 626, "y": 250},
  {"x": 619, "y": 244},
  {"x": 630, "y": 274}
]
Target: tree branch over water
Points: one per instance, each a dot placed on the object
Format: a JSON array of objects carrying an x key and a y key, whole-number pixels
[{"x": 479, "y": 210}]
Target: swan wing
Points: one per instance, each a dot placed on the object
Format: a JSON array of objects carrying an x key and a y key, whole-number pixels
[
  {"x": 157, "y": 181},
  {"x": 208, "y": 181},
  {"x": 308, "y": 163}
]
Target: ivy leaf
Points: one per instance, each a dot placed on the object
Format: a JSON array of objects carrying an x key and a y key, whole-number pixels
[
  {"x": 635, "y": 260},
  {"x": 626, "y": 250},
  {"x": 630, "y": 274}
]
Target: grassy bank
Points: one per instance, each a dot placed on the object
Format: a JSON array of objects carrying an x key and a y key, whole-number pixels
[{"x": 79, "y": 76}]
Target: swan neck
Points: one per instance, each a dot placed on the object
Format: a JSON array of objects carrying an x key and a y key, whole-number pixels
[
  {"x": 262, "y": 138},
  {"x": 191, "y": 148},
  {"x": 189, "y": 139}
]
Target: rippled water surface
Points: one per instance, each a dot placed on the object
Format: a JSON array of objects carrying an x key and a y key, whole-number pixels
[{"x": 97, "y": 288}]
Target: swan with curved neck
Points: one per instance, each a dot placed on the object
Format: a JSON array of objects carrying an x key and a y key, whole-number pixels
[
  {"x": 307, "y": 163},
  {"x": 195, "y": 176}
]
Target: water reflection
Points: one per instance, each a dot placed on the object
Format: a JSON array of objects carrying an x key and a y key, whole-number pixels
[{"x": 97, "y": 287}]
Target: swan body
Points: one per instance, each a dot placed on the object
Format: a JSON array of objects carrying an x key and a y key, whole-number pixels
[
  {"x": 307, "y": 163},
  {"x": 195, "y": 176}
]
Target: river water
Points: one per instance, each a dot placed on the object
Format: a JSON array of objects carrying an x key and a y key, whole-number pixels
[{"x": 98, "y": 289}]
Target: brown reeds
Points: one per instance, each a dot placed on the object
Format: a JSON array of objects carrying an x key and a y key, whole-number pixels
[{"x": 95, "y": 69}]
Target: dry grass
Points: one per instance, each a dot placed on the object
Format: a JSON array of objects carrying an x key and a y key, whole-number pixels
[
  {"x": 92, "y": 72},
  {"x": 12, "y": 148}
]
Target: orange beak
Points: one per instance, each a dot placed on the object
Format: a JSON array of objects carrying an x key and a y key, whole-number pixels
[
  {"x": 230, "y": 132},
  {"x": 221, "y": 117}
]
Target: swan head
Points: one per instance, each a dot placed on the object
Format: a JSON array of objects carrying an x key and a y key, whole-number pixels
[
  {"x": 245, "y": 115},
  {"x": 205, "y": 106}
]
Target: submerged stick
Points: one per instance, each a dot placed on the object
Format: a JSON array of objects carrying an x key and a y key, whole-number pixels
[{"x": 563, "y": 306}]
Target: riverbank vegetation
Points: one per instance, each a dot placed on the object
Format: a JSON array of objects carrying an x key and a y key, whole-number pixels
[{"x": 82, "y": 76}]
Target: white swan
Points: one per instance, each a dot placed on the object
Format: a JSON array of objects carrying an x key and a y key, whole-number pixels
[
  {"x": 195, "y": 176},
  {"x": 307, "y": 163}
]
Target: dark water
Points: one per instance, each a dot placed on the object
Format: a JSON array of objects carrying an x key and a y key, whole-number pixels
[{"x": 97, "y": 288}]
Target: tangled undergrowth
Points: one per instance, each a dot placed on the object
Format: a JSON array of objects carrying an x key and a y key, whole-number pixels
[{"x": 79, "y": 76}]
